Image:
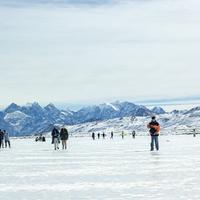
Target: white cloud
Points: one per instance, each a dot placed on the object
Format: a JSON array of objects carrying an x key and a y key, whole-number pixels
[{"x": 138, "y": 50}]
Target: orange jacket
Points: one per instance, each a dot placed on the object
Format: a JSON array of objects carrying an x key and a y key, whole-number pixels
[{"x": 156, "y": 127}]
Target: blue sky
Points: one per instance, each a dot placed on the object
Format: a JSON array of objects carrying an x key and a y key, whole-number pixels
[{"x": 95, "y": 51}]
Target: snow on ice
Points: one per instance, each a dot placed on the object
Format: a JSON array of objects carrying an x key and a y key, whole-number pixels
[{"x": 102, "y": 169}]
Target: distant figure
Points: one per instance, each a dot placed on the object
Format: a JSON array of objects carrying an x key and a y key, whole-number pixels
[
  {"x": 55, "y": 138},
  {"x": 1, "y": 139},
  {"x": 122, "y": 134},
  {"x": 7, "y": 139},
  {"x": 43, "y": 139},
  {"x": 98, "y": 135},
  {"x": 133, "y": 134},
  {"x": 64, "y": 135},
  {"x": 154, "y": 129},
  {"x": 93, "y": 136},
  {"x": 194, "y": 132},
  {"x": 40, "y": 137},
  {"x": 104, "y": 135},
  {"x": 111, "y": 135}
]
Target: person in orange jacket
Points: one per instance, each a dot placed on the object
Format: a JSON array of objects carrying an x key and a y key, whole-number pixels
[{"x": 154, "y": 129}]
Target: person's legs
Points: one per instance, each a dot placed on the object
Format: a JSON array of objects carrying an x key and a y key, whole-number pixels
[
  {"x": 65, "y": 144},
  {"x": 9, "y": 143},
  {"x": 157, "y": 143},
  {"x": 152, "y": 143},
  {"x": 6, "y": 143},
  {"x": 55, "y": 143}
]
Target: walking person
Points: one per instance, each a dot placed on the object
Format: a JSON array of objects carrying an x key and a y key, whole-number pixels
[
  {"x": 1, "y": 138},
  {"x": 104, "y": 135},
  {"x": 122, "y": 134},
  {"x": 7, "y": 139},
  {"x": 133, "y": 134},
  {"x": 194, "y": 132},
  {"x": 55, "y": 138},
  {"x": 64, "y": 135},
  {"x": 98, "y": 135},
  {"x": 93, "y": 136},
  {"x": 111, "y": 135},
  {"x": 154, "y": 129}
]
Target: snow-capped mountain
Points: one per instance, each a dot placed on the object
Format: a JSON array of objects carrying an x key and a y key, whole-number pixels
[
  {"x": 33, "y": 118},
  {"x": 158, "y": 110},
  {"x": 110, "y": 111}
]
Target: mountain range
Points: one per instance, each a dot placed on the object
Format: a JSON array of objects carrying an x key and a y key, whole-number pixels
[{"x": 33, "y": 118}]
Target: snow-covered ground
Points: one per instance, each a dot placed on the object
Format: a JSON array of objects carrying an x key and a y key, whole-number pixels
[
  {"x": 175, "y": 124},
  {"x": 102, "y": 170}
]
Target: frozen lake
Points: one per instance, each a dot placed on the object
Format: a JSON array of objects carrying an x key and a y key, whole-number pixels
[{"x": 102, "y": 170}]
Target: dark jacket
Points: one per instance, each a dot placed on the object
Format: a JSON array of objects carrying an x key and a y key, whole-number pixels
[
  {"x": 1, "y": 135},
  {"x": 153, "y": 128},
  {"x": 64, "y": 134},
  {"x": 55, "y": 133}
]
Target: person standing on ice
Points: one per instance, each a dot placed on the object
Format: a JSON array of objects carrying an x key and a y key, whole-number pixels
[
  {"x": 55, "y": 138},
  {"x": 122, "y": 134},
  {"x": 194, "y": 132},
  {"x": 64, "y": 137},
  {"x": 133, "y": 134},
  {"x": 154, "y": 129},
  {"x": 93, "y": 136},
  {"x": 1, "y": 139},
  {"x": 7, "y": 139},
  {"x": 98, "y": 135},
  {"x": 111, "y": 135}
]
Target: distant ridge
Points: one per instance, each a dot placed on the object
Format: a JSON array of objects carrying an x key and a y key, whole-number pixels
[{"x": 33, "y": 118}]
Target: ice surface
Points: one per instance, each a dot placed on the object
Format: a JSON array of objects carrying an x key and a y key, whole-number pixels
[{"x": 102, "y": 169}]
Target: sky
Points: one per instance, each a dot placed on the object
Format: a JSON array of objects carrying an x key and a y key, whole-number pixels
[{"x": 87, "y": 51}]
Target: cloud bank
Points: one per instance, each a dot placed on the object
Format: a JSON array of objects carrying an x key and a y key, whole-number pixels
[{"x": 64, "y": 51}]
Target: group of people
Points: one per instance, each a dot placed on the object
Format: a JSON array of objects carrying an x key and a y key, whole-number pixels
[
  {"x": 4, "y": 139},
  {"x": 154, "y": 129},
  {"x": 99, "y": 135},
  {"x": 40, "y": 138},
  {"x": 63, "y": 135},
  {"x": 111, "y": 135},
  {"x": 103, "y": 135},
  {"x": 57, "y": 135}
]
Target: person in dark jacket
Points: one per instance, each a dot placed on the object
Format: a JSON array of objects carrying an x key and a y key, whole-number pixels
[
  {"x": 55, "y": 138},
  {"x": 93, "y": 136},
  {"x": 154, "y": 129},
  {"x": 98, "y": 135},
  {"x": 64, "y": 135},
  {"x": 43, "y": 139},
  {"x": 1, "y": 139},
  {"x": 133, "y": 134},
  {"x": 111, "y": 135}
]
